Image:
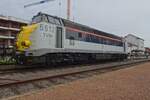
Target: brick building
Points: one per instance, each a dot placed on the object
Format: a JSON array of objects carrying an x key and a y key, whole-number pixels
[{"x": 9, "y": 27}]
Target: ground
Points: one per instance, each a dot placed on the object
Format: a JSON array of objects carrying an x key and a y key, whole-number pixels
[{"x": 126, "y": 84}]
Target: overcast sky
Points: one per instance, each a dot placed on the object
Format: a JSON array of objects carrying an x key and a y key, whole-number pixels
[{"x": 119, "y": 17}]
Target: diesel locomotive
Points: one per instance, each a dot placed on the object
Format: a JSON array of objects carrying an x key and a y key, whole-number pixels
[{"x": 50, "y": 39}]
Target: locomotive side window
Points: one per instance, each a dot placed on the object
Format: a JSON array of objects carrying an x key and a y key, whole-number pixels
[
  {"x": 100, "y": 40},
  {"x": 80, "y": 35},
  {"x": 87, "y": 38},
  {"x": 72, "y": 34},
  {"x": 91, "y": 38}
]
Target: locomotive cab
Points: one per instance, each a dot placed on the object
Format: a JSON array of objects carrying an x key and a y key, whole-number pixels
[
  {"x": 45, "y": 33},
  {"x": 50, "y": 39}
]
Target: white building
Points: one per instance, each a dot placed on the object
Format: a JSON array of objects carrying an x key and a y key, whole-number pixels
[{"x": 134, "y": 43}]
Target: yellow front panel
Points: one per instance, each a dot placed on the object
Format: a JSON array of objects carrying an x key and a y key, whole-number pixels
[{"x": 23, "y": 39}]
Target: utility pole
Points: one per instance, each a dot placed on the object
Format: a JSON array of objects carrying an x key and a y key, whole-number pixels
[
  {"x": 37, "y": 3},
  {"x": 68, "y": 9},
  {"x": 45, "y": 1}
]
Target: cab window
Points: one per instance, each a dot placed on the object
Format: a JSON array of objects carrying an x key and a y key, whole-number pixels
[
  {"x": 51, "y": 19},
  {"x": 37, "y": 19},
  {"x": 44, "y": 18}
]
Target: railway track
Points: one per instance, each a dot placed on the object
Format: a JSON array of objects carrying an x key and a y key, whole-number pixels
[{"x": 11, "y": 83}]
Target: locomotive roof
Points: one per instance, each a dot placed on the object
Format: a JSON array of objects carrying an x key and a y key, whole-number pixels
[
  {"x": 75, "y": 25},
  {"x": 82, "y": 27}
]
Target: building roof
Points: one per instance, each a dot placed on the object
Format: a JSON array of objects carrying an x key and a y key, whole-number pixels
[
  {"x": 135, "y": 36},
  {"x": 10, "y": 18},
  {"x": 82, "y": 27},
  {"x": 8, "y": 28},
  {"x": 6, "y": 37}
]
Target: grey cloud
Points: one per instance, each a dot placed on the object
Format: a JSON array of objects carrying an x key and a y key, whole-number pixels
[{"x": 119, "y": 17}]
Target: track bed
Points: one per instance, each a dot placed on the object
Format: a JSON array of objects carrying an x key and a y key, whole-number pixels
[{"x": 21, "y": 82}]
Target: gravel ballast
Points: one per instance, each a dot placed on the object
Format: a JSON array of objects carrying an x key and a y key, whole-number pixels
[{"x": 126, "y": 84}]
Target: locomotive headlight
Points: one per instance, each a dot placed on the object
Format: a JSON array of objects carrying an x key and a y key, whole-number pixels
[{"x": 26, "y": 43}]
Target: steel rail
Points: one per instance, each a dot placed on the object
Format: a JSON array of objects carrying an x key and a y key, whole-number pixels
[{"x": 110, "y": 67}]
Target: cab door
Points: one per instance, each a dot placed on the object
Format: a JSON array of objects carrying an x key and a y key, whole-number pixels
[{"x": 59, "y": 37}]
